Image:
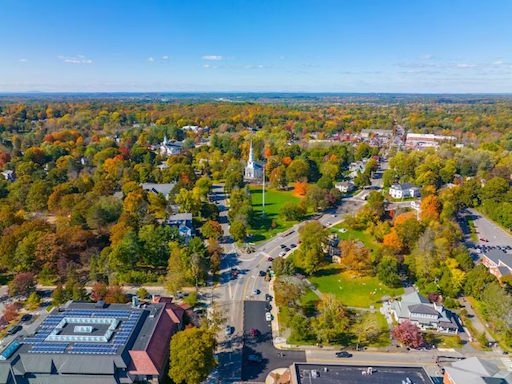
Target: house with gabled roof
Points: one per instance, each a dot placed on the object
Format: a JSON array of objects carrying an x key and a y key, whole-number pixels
[
  {"x": 475, "y": 371},
  {"x": 419, "y": 310}
]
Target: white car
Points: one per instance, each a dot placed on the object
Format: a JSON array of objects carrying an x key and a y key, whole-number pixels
[
  {"x": 268, "y": 316},
  {"x": 282, "y": 254}
]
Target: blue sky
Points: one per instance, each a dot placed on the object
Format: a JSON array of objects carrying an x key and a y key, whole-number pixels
[{"x": 260, "y": 45}]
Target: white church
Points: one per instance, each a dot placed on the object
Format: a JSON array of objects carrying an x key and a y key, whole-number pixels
[
  {"x": 253, "y": 170},
  {"x": 168, "y": 148}
]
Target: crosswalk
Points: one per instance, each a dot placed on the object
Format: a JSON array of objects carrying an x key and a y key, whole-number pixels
[{"x": 507, "y": 362}]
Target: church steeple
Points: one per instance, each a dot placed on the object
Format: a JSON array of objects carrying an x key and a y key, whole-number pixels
[{"x": 251, "y": 155}]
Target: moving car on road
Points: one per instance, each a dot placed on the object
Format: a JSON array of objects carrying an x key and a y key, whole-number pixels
[
  {"x": 256, "y": 291},
  {"x": 270, "y": 259},
  {"x": 343, "y": 354},
  {"x": 484, "y": 240}
]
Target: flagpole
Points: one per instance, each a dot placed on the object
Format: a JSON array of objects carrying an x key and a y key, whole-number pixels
[{"x": 263, "y": 202}]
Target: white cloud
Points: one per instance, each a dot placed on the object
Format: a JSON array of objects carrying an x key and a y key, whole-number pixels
[
  {"x": 79, "y": 59},
  {"x": 465, "y": 65},
  {"x": 498, "y": 62},
  {"x": 416, "y": 65},
  {"x": 151, "y": 59},
  {"x": 426, "y": 57},
  {"x": 23, "y": 60},
  {"x": 165, "y": 57},
  {"x": 213, "y": 57}
]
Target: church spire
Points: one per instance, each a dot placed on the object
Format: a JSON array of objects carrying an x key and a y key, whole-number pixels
[{"x": 251, "y": 155}]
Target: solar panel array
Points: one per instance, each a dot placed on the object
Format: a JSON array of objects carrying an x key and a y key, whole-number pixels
[
  {"x": 49, "y": 348},
  {"x": 120, "y": 337}
]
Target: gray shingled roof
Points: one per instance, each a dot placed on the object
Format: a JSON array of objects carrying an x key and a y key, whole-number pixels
[
  {"x": 423, "y": 309},
  {"x": 497, "y": 254}
]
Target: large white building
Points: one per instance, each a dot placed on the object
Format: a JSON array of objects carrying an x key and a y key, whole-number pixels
[
  {"x": 168, "y": 148},
  {"x": 398, "y": 191},
  {"x": 253, "y": 170}
]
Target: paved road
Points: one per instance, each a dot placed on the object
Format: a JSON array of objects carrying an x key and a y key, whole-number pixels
[
  {"x": 488, "y": 230},
  {"x": 231, "y": 292}
]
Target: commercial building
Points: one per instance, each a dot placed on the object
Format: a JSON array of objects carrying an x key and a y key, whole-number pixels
[
  {"x": 475, "y": 371},
  {"x": 87, "y": 343},
  {"x": 498, "y": 262},
  {"x": 304, "y": 373}
]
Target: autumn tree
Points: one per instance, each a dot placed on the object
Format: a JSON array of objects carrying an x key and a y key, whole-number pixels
[
  {"x": 288, "y": 291},
  {"x": 332, "y": 320},
  {"x": 23, "y": 284},
  {"x": 408, "y": 334},
  {"x": 192, "y": 355},
  {"x": 354, "y": 258},
  {"x": 116, "y": 295},
  {"x": 393, "y": 241},
  {"x": 212, "y": 229},
  {"x": 430, "y": 209},
  {"x": 301, "y": 188},
  {"x": 99, "y": 291},
  {"x": 278, "y": 177},
  {"x": 11, "y": 312}
]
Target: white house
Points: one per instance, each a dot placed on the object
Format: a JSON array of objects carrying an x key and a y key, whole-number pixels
[
  {"x": 356, "y": 168},
  {"x": 184, "y": 223},
  {"x": 253, "y": 170},
  {"x": 168, "y": 148},
  {"x": 9, "y": 175},
  {"x": 398, "y": 191},
  {"x": 426, "y": 315},
  {"x": 345, "y": 186}
]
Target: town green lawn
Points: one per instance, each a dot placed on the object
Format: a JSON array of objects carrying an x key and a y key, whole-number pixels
[
  {"x": 446, "y": 341},
  {"x": 261, "y": 228},
  {"x": 380, "y": 340},
  {"x": 365, "y": 238},
  {"x": 353, "y": 292}
]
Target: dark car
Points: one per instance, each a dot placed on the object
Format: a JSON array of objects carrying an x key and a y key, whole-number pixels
[
  {"x": 255, "y": 332},
  {"x": 26, "y": 317},
  {"x": 283, "y": 246},
  {"x": 254, "y": 359},
  {"x": 14, "y": 330},
  {"x": 263, "y": 273},
  {"x": 268, "y": 297},
  {"x": 287, "y": 249},
  {"x": 293, "y": 245},
  {"x": 343, "y": 355},
  {"x": 270, "y": 259}
]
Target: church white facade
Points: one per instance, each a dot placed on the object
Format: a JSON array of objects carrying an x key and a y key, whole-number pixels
[
  {"x": 168, "y": 149},
  {"x": 253, "y": 170}
]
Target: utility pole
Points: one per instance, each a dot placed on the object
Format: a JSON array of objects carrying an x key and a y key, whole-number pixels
[{"x": 263, "y": 201}]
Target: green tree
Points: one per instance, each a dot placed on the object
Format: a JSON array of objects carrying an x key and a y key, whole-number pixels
[
  {"x": 282, "y": 266},
  {"x": 33, "y": 301},
  {"x": 297, "y": 170},
  {"x": 317, "y": 198},
  {"x": 290, "y": 211},
  {"x": 300, "y": 327},
  {"x": 238, "y": 230},
  {"x": 188, "y": 201},
  {"x": 142, "y": 293},
  {"x": 325, "y": 182},
  {"x": 38, "y": 194},
  {"x": 155, "y": 244},
  {"x": 313, "y": 238},
  {"x": 212, "y": 229},
  {"x": 58, "y": 297},
  {"x": 192, "y": 355},
  {"x": 387, "y": 272},
  {"x": 388, "y": 178},
  {"x": 332, "y": 321}
]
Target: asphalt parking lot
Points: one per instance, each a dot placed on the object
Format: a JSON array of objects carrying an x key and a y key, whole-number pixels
[{"x": 262, "y": 346}]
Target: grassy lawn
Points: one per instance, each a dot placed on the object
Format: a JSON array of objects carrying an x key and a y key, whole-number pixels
[
  {"x": 273, "y": 201},
  {"x": 447, "y": 341},
  {"x": 380, "y": 340},
  {"x": 471, "y": 225},
  {"x": 366, "y": 239},
  {"x": 352, "y": 292}
]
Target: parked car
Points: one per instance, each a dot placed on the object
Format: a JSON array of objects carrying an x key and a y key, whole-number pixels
[
  {"x": 229, "y": 330},
  {"x": 270, "y": 259},
  {"x": 254, "y": 359},
  {"x": 268, "y": 297},
  {"x": 287, "y": 249},
  {"x": 282, "y": 254},
  {"x": 25, "y": 318},
  {"x": 263, "y": 273},
  {"x": 283, "y": 246},
  {"x": 256, "y": 291},
  {"x": 343, "y": 354},
  {"x": 268, "y": 316},
  {"x": 293, "y": 245},
  {"x": 14, "y": 330},
  {"x": 255, "y": 332}
]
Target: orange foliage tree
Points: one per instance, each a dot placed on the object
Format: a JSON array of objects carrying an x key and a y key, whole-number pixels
[
  {"x": 430, "y": 208},
  {"x": 301, "y": 188},
  {"x": 403, "y": 217},
  {"x": 393, "y": 240}
]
